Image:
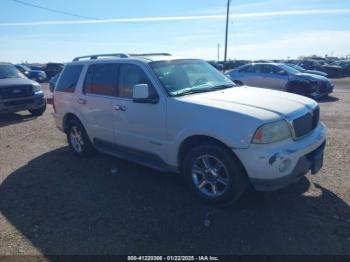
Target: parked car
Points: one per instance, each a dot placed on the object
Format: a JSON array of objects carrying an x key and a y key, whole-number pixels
[
  {"x": 331, "y": 70},
  {"x": 36, "y": 75},
  {"x": 53, "y": 69},
  {"x": 19, "y": 93},
  {"x": 345, "y": 65},
  {"x": 281, "y": 77},
  {"x": 34, "y": 67},
  {"x": 52, "y": 82},
  {"x": 183, "y": 115},
  {"x": 314, "y": 72}
]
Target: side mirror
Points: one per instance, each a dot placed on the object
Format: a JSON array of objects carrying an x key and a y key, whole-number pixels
[
  {"x": 141, "y": 94},
  {"x": 281, "y": 72}
]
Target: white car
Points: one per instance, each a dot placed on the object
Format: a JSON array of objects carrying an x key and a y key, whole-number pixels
[{"x": 183, "y": 115}]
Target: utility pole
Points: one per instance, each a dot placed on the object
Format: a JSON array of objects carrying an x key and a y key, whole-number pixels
[
  {"x": 218, "y": 52},
  {"x": 227, "y": 20}
]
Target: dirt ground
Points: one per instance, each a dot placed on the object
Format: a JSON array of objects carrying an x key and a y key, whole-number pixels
[{"x": 54, "y": 203}]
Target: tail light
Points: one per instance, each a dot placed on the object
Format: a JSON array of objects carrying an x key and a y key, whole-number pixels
[{"x": 53, "y": 103}]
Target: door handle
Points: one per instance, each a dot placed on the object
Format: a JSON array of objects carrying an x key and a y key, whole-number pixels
[
  {"x": 82, "y": 101},
  {"x": 119, "y": 108}
]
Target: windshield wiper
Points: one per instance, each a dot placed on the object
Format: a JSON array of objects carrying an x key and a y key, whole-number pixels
[{"x": 189, "y": 91}]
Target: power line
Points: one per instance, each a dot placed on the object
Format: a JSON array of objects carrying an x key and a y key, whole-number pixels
[{"x": 54, "y": 10}]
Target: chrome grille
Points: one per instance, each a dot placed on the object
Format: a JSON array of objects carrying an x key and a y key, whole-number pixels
[
  {"x": 306, "y": 123},
  {"x": 9, "y": 92}
]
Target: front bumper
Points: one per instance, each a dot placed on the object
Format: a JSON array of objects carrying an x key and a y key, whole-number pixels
[
  {"x": 321, "y": 89},
  {"x": 263, "y": 162},
  {"x": 23, "y": 103}
]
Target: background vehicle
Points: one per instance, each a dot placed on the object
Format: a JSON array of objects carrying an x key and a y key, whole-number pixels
[
  {"x": 52, "y": 69},
  {"x": 331, "y": 70},
  {"x": 184, "y": 115},
  {"x": 345, "y": 65},
  {"x": 19, "y": 93},
  {"x": 281, "y": 77},
  {"x": 36, "y": 75},
  {"x": 314, "y": 72},
  {"x": 35, "y": 67},
  {"x": 52, "y": 82}
]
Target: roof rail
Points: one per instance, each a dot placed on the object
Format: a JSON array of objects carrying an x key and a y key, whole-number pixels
[
  {"x": 151, "y": 54},
  {"x": 100, "y": 55}
]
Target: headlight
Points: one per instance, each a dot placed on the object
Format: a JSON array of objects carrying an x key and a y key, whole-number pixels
[
  {"x": 36, "y": 88},
  {"x": 272, "y": 132}
]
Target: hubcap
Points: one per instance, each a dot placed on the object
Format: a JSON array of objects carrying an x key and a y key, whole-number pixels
[
  {"x": 76, "y": 139},
  {"x": 210, "y": 175}
]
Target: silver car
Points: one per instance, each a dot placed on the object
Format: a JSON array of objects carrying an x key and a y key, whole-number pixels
[{"x": 281, "y": 77}]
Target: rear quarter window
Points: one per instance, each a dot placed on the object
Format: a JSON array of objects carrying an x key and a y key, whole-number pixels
[{"x": 69, "y": 78}]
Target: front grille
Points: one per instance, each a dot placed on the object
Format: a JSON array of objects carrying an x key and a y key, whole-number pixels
[
  {"x": 19, "y": 102},
  {"x": 9, "y": 92},
  {"x": 306, "y": 123}
]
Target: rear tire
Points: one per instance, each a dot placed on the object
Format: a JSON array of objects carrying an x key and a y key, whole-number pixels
[
  {"x": 38, "y": 112},
  {"x": 214, "y": 174},
  {"x": 78, "y": 140}
]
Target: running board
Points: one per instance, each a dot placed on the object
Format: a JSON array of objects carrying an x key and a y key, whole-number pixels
[{"x": 133, "y": 155}]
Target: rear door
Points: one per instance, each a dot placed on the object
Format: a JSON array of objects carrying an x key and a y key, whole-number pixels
[
  {"x": 95, "y": 100},
  {"x": 251, "y": 75}
]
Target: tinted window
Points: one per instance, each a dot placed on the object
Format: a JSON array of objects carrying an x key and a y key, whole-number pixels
[
  {"x": 247, "y": 68},
  {"x": 100, "y": 80},
  {"x": 129, "y": 76},
  {"x": 250, "y": 69},
  {"x": 69, "y": 78},
  {"x": 269, "y": 69}
]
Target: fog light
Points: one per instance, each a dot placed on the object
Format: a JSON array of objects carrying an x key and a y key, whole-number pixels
[{"x": 285, "y": 165}]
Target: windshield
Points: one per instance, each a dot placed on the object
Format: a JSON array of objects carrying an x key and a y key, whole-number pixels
[
  {"x": 182, "y": 77},
  {"x": 10, "y": 71},
  {"x": 290, "y": 69}
]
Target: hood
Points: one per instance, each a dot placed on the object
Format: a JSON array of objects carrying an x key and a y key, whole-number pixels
[
  {"x": 264, "y": 104},
  {"x": 36, "y": 71},
  {"x": 316, "y": 72},
  {"x": 312, "y": 77},
  {"x": 16, "y": 82}
]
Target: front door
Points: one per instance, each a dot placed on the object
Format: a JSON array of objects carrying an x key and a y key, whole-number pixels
[
  {"x": 138, "y": 126},
  {"x": 273, "y": 77}
]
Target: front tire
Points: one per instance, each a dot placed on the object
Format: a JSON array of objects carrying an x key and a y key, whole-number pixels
[
  {"x": 214, "y": 174},
  {"x": 78, "y": 140},
  {"x": 38, "y": 112}
]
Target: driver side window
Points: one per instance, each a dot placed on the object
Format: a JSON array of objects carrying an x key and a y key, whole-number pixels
[{"x": 129, "y": 76}]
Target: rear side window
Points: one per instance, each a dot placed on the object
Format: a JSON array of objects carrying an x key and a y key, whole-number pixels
[
  {"x": 100, "y": 80},
  {"x": 248, "y": 69},
  {"x": 69, "y": 78}
]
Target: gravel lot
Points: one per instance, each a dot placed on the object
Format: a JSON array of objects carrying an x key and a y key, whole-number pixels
[{"x": 54, "y": 203}]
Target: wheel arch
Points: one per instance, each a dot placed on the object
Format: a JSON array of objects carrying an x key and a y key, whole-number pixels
[
  {"x": 68, "y": 117},
  {"x": 195, "y": 140}
]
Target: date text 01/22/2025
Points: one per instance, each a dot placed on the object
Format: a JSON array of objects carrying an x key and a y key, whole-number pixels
[{"x": 173, "y": 258}]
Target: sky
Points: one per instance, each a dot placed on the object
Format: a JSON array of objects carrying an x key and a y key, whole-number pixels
[{"x": 265, "y": 29}]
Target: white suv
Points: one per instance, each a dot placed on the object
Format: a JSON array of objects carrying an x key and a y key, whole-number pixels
[{"x": 183, "y": 115}]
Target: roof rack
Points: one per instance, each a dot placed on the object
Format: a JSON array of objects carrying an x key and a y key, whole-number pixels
[
  {"x": 101, "y": 55},
  {"x": 151, "y": 54}
]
